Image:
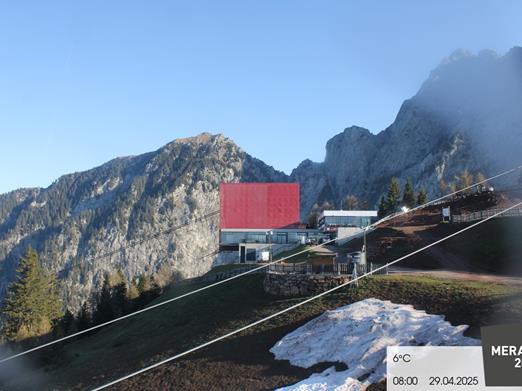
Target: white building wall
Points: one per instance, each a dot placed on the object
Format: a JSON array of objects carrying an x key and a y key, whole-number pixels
[{"x": 346, "y": 233}]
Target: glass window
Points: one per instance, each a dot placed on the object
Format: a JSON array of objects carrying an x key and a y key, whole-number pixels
[
  {"x": 293, "y": 237},
  {"x": 281, "y": 238},
  {"x": 357, "y": 221},
  {"x": 256, "y": 237}
]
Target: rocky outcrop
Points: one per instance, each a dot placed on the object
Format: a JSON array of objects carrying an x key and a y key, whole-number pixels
[
  {"x": 465, "y": 116},
  {"x": 82, "y": 221}
]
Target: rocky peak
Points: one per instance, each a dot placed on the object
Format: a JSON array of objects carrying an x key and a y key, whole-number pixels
[
  {"x": 456, "y": 56},
  {"x": 204, "y": 138},
  {"x": 353, "y": 135},
  {"x": 515, "y": 54},
  {"x": 84, "y": 215},
  {"x": 465, "y": 116},
  {"x": 201, "y": 138}
]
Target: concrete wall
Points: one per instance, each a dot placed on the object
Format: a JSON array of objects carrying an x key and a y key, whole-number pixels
[{"x": 346, "y": 233}]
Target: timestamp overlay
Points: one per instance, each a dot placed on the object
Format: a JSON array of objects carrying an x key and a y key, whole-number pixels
[{"x": 424, "y": 368}]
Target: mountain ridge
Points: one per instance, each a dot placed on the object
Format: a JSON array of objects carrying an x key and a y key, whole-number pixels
[
  {"x": 436, "y": 134},
  {"x": 102, "y": 209}
]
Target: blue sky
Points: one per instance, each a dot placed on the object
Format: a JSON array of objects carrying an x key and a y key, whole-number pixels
[{"x": 83, "y": 82}]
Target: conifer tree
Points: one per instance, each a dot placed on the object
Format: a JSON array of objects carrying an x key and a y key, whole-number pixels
[
  {"x": 33, "y": 304},
  {"x": 393, "y": 196},
  {"x": 66, "y": 325},
  {"x": 408, "y": 197},
  {"x": 104, "y": 311},
  {"x": 155, "y": 286},
  {"x": 313, "y": 216},
  {"x": 422, "y": 197},
  {"x": 383, "y": 208},
  {"x": 83, "y": 319},
  {"x": 119, "y": 294}
]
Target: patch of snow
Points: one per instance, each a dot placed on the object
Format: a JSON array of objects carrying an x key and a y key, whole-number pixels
[{"x": 358, "y": 335}]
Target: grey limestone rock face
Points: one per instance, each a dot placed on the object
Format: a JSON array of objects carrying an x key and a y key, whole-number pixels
[
  {"x": 466, "y": 115},
  {"x": 83, "y": 216}
]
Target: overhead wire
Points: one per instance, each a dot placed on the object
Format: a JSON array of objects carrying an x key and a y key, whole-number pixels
[
  {"x": 250, "y": 271},
  {"x": 301, "y": 303},
  {"x": 151, "y": 237}
]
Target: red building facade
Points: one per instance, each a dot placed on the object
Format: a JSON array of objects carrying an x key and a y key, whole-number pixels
[{"x": 259, "y": 205}]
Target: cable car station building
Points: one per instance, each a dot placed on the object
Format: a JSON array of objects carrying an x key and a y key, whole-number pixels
[
  {"x": 345, "y": 224},
  {"x": 260, "y": 220}
]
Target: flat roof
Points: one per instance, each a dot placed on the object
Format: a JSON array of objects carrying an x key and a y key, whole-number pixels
[{"x": 349, "y": 213}]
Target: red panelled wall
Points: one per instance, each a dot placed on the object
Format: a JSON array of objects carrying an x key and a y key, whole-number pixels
[{"x": 259, "y": 205}]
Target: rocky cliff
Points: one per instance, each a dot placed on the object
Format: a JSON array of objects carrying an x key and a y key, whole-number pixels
[
  {"x": 81, "y": 221},
  {"x": 467, "y": 115}
]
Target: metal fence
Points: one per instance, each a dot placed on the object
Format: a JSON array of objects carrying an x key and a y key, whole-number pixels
[
  {"x": 337, "y": 269},
  {"x": 480, "y": 215},
  {"x": 296, "y": 268}
]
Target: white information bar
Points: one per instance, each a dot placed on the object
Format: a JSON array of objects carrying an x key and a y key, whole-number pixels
[{"x": 444, "y": 368}]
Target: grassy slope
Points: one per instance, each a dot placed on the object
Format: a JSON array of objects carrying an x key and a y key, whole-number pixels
[
  {"x": 492, "y": 247},
  {"x": 244, "y": 362},
  {"x": 226, "y": 268}
]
